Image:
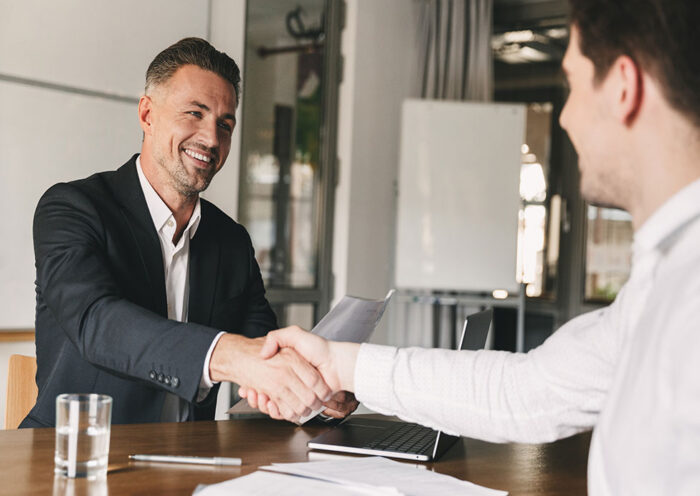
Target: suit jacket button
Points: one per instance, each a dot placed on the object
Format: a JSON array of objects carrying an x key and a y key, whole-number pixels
[
  {"x": 175, "y": 382},
  {"x": 152, "y": 374},
  {"x": 167, "y": 380},
  {"x": 160, "y": 377}
]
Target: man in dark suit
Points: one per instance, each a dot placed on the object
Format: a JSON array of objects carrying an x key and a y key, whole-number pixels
[{"x": 146, "y": 292}]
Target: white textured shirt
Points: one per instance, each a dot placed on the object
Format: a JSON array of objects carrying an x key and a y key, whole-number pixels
[
  {"x": 632, "y": 370},
  {"x": 176, "y": 257}
]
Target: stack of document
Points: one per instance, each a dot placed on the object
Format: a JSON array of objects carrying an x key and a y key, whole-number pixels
[{"x": 351, "y": 476}]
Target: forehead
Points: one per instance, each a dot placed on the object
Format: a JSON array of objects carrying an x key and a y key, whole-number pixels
[{"x": 192, "y": 83}]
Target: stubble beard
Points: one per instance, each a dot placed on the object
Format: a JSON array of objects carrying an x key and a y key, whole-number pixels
[
  {"x": 188, "y": 186},
  {"x": 605, "y": 189}
]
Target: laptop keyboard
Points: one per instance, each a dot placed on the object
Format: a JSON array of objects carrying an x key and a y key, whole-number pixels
[{"x": 407, "y": 438}]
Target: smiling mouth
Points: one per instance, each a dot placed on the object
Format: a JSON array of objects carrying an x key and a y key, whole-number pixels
[{"x": 201, "y": 157}]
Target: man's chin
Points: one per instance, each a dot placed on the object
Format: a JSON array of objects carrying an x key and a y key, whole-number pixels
[{"x": 600, "y": 201}]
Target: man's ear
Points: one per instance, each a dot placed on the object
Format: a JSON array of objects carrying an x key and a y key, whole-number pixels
[
  {"x": 628, "y": 88},
  {"x": 145, "y": 113}
]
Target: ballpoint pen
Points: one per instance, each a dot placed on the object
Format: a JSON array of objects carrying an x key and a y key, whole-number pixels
[{"x": 198, "y": 460}]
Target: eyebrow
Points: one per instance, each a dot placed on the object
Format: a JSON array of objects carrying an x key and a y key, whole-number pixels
[{"x": 204, "y": 107}]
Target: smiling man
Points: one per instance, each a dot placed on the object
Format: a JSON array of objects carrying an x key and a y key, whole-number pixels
[
  {"x": 630, "y": 371},
  {"x": 145, "y": 291}
]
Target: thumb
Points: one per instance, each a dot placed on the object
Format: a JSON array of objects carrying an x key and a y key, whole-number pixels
[{"x": 278, "y": 339}]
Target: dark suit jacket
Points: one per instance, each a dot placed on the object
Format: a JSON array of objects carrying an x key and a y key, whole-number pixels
[{"x": 101, "y": 316}]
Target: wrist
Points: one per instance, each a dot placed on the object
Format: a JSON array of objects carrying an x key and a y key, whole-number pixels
[
  {"x": 344, "y": 358},
  {"x": 223, "y": 365}
]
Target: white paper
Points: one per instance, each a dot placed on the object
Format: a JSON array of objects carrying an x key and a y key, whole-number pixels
[
  {"x": 385, "y": 474},
  {"x": 352, "y": 319},
  {"x": 269, "y": 484}
]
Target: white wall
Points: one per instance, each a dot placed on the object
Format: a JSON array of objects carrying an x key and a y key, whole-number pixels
[
  {"x": 67, "y": 132},
  {"x": 228, "y": 34},
  {"x": 379, "y": 46}
]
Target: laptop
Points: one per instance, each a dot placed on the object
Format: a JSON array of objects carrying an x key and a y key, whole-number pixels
[{"x": 401, "y": 439}]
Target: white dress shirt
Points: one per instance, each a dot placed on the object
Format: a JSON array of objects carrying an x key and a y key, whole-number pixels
[
  {"x": 632, "y": 370},
  {"x": 176, "y": 259}
]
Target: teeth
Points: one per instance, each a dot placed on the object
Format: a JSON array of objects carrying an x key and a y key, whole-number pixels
[{"x": 198, "y": 156}]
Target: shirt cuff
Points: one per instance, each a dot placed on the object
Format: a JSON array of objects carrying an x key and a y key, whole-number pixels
[
  {"x": 373, "y": 374},
  {"x": 205, "y": 383}
]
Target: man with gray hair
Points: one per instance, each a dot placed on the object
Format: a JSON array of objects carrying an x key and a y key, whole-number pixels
[{"x": 145, "y": 291}]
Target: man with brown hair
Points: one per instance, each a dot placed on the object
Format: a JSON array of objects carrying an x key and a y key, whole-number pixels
[
  {"x": 145, "y": 291},
  {"x": 630, "y": 370}
]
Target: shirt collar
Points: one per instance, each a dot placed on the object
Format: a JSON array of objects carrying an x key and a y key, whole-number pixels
[
  {"x": 160, "y": 213},
  {"x": 673, "y": 215}
]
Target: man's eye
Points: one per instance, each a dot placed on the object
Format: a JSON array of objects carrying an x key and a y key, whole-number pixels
[
  {"x": 195, "y": 113},
  {"x": 225, "y": 127}
]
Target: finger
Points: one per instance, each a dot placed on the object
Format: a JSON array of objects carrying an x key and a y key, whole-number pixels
[
  {"x": 271, "y": 345},
  {"x": 274, "y": 412},
  {"x": 287, "y": 412},
  {"x": 313, "y": 380},
  {"x": 263, "y": 403},
  {"x": 279, "y": 339},
  {"x": 263, "y": 400},
  {"x": 252, "y": 398},
  {"x": 295, "y": 393},
  {"x": 342, "y": 402},
  {"x": 242, "y": 392},
  {"x": 334, "y": 413},
  {"x": 344, "y": 409}
]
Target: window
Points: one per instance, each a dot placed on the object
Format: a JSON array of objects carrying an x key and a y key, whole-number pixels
[
  {"x": 537, "y": 231},
  {"x": 288, "y": 140},
  {"x": 608, "y": 252}
]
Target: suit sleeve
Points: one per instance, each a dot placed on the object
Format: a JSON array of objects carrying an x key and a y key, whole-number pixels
[
  {"x": 260, "y": 319},
  {"x": 75, "y": 282}
]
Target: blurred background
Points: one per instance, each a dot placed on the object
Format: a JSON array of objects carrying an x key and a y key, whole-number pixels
[{"x": 314, "y": 169}]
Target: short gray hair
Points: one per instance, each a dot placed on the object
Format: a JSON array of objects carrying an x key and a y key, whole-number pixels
[{"x": 192, "y": 51}]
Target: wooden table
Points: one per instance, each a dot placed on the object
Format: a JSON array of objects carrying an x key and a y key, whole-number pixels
[{"x": 26, "y": 459}]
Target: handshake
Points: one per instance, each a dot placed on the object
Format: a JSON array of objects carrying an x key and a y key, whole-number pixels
[{"x": 289, "y": 373}]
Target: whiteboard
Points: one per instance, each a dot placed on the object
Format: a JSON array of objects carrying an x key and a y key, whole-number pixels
[{"x": 459, "y": 176}]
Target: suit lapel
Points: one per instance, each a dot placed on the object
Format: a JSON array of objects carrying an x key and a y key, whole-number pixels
[
  {"x": 204, "y": 266},
  {"x": 127, "y": 190}
]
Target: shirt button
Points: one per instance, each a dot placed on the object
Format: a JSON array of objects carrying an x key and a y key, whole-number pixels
[
  {"x": 167, "y": 380},
  {"x": 175, "y": 382},
  {"x": 160, "y": 377},
  {"x": 152, "y": 374},
  {"x": 170, "y": 223}
]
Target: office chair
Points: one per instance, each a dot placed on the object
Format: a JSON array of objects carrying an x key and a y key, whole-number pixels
[{"x": 21, "y": 389}]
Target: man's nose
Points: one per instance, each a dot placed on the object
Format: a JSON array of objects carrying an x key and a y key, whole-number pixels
[{"x": 209, "y": 133}]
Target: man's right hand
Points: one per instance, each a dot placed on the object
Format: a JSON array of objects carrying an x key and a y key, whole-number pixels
[{"x": 295, "y": 386}]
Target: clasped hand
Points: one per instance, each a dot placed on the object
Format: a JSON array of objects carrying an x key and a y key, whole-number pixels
[{"x": 333, "y": 361}]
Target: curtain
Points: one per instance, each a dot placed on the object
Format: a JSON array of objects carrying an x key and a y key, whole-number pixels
[{"x": 455, "y": 49}]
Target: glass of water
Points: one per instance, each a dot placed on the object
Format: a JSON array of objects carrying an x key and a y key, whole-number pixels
[{"x": 82, "y": 435}]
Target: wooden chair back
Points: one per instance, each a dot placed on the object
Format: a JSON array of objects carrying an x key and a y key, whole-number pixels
[{"x": 21, "y": 389}]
